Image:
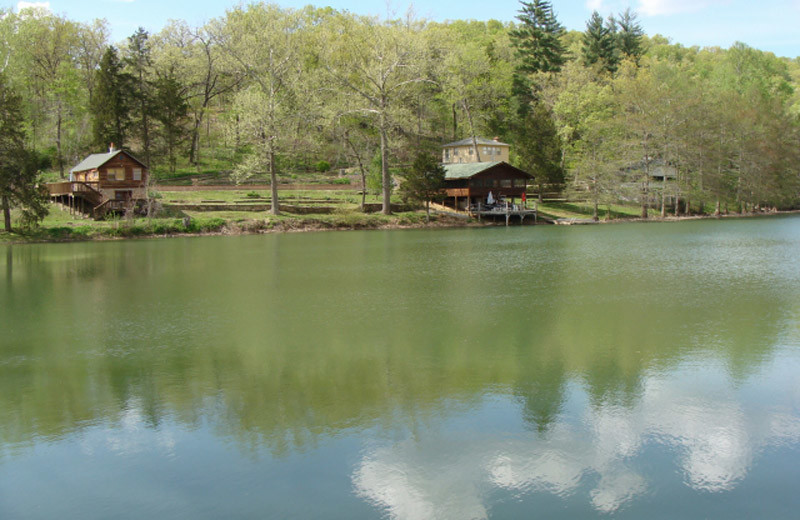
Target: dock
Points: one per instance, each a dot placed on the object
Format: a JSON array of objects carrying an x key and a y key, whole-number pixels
[{"x": 503, "y": 210}]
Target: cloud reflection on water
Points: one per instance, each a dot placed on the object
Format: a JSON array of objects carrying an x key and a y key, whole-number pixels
[{"x": 712, "y": 431}]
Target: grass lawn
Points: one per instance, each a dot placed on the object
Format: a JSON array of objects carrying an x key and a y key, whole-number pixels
[
  {"x": 255, "y": 196},
  {"x": 581, "y": 210}
]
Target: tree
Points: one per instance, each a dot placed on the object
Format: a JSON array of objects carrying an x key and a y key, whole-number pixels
[
  {"x": 111, "y": 104},
  {"x": 49, "y": 44},
  {"x": 263, "y": 42},
  {"x": 18, "y": 175},
  {"x": 599, "y": 43},
  {"x": 198, "y": 63},
  {"x": 424, "y": 181},
  {"x": 538, "y": 147},
  {"x": 171, "y": 111},
  {"x": 473, "y": 79},
  {"x": 629, "y": 36},
  {"x": 538, "y": 38},
  {"x": 138, "y": 60},
  {"x": 380, "y": 65}
]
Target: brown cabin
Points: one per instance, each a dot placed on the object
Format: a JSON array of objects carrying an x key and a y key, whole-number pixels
[
  {"x": 471, "y": 183},
  {"x": 103, "y": 182}
]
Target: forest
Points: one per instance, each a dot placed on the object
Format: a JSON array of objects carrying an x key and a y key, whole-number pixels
[{"x": 274, "y": 93}]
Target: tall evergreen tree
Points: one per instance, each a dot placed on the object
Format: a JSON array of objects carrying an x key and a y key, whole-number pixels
[
  {"x": 630, "y": 35},
  {"x": 171, "y": 111},
  {"x": 139, "y": 61},
  {"x": 111, "y": 103},
  {"x": 538, "y": 38},
  {"x": 538, "y": 148},
  {"x": 18, "y": 175},
  {"x": 599, "y": 43},
  {"x": 424, "y": 181}
]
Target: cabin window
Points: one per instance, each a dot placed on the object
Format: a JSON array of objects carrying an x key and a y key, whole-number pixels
[
  {"x": 137, "y": 174},
  {"x": 519, "y": 183},
  {"x": 505, "y": 183},
  {"x": 115, "y": 174},
  {"x": 455, "y": 151},
  {"x": 471, "y": 151}
]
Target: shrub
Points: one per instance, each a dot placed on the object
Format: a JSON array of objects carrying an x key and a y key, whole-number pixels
[{"x": 322, "y": 166}]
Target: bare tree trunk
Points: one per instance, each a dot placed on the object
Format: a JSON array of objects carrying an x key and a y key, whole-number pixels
[
  {"x": 385, "y": 177},
  {"x": 273, "y": 180},
  {"x": 455, "y": 123},
  {"x": 6, "y": 213},
  {"x": 465, "y": 105},
  {"x": 361, "y": 169},
  {"x": 194, "y": 152},
  {"x": 717, "y": 211},
  {"x": 60, "y": 153}
]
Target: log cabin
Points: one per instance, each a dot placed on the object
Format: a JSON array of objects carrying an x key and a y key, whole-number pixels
[{"x": 102, "y": 183}]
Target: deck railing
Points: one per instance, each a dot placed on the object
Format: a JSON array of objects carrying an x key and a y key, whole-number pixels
[{"x": 65, "y": 188}]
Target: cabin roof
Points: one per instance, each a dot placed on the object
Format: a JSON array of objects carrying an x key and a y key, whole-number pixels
[
  {"x": 96, "y": 160},
  {"x": 467, "y": 170},
  {"x": 480, "y": 140}
]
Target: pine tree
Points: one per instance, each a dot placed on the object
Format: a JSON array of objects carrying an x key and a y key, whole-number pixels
[
  {"x": 629, "y": 37},
  {"x": 424, "y": 181},
  {"x": 538, "y": 39},
  {"x": 171, "y": 110},
  {"x": 112, "y": 101},
  {"x": 138, "y": 60},
  {"x": 599, "y": 43},
  {"x": 538, "y": 149},
  {"x": 18, "y": 174}
]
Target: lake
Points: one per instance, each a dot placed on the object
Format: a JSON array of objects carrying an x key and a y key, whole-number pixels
[{"x": 621, "y": 371}]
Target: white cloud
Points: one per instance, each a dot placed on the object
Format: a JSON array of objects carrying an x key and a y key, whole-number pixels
[
  {"x": 669, "y": 7},
  {"x": 594, "y": 5},
  {"x": 715, "y": 438},
  {"x": 34, "y": 5}
]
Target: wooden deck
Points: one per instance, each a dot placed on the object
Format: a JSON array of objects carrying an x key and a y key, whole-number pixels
[
  {"x": 85, "y": 197},
  {"x": 503, "y": 210}
]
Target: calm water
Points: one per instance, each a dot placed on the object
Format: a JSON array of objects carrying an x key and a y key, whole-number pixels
[{"x": 631, "y": 371}]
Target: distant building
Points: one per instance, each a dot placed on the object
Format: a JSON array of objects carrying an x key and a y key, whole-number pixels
[
  {"x": 471, "y": 175},
  {"x": 465, "y": 151},
  {"x": 103, "y": 182}
]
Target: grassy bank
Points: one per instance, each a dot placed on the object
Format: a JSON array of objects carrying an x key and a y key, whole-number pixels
[{"x": 60, "y": 226}]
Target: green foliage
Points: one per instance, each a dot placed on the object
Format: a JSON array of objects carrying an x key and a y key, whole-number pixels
[
  {"x": 630, "y": 36},
  {"x": 322, "y": 166},
  {"x": 424, "y": 181},
  {"x": 538, "y": 38},
  {"x": 600, "y": 43},
  {"x": 111, "y": 105},
  {"x": 171, "y": 111},
  {"x": 538, "y": 146},
  {"x": 18, "y": 173}
]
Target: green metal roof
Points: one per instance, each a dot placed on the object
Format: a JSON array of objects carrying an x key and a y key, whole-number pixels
[
  {"x": 97, "y": 160},
  {"x": 467, "y": 170},
  {"x": 94, "y": 161}
]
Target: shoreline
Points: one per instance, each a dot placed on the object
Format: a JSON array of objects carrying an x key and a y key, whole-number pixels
[{"x": 300, "y": 225}]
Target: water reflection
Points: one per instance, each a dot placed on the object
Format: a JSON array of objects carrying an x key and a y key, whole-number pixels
[
  {"x": 505, "y": 366},
  {"x": 596, "y": 454}
]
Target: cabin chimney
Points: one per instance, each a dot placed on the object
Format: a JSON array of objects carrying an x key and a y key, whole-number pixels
[
  {"x": 496, "y": 139},
  {"x": 111, "y": 148}
]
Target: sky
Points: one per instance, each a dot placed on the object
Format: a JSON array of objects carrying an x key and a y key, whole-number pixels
[{"x": 770, "y": 25}]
